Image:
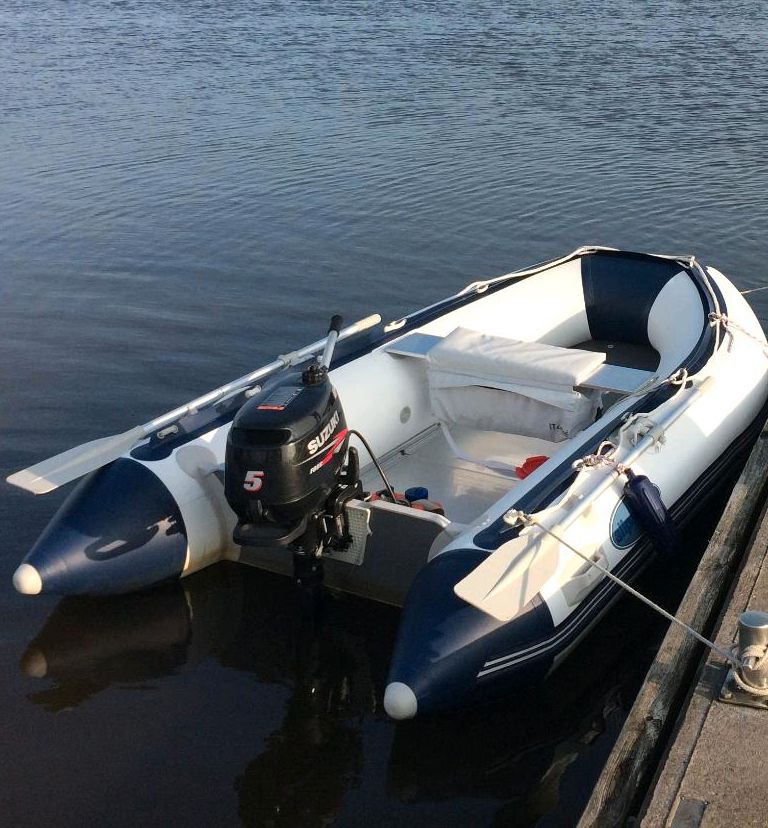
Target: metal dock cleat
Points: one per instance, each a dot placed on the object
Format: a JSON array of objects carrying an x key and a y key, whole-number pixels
[{"x": 748, "y": 684}]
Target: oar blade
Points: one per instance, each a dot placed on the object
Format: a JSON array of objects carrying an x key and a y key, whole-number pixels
[
  {"x": 49, "y": 474},
  {"x": 507, "y": 580}
]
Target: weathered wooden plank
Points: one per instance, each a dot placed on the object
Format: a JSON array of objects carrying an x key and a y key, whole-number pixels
[
  {"x": 740, "y": 739},
  {"x": 631, "y": 763}
]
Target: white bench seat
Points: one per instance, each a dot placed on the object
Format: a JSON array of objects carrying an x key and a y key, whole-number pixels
[{"x": 610, "y": 378}]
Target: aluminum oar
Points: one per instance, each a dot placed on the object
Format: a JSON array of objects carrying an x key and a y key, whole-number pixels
[{"x": 49, "y": 474}]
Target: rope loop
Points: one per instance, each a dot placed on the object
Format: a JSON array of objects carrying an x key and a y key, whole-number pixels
[
  {"x": 680, "y": 377},
  {"x": 731, "y": 328},
  {"x": 757, "y": 651},
  {"x": 748, "y": 688},
  {"x": 721, "y": 319},
  {"x": 715, "y": 318},
  {"x": 603, "y": 457}
]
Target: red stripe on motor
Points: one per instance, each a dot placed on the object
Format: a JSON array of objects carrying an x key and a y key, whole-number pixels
[{"x": 334, "y": 447}]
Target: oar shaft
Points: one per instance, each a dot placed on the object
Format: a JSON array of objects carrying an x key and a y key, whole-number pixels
[
  {"x": 330, "y": 342},
  {"x": 55, "y": 471},
  {"x": 260, "y": 373}
]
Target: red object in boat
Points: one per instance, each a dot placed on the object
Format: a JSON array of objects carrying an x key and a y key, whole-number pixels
[{"x": 530, "y": 465}]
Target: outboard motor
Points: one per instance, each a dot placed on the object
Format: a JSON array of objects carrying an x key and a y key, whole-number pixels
[{"x": 286, "y": 477}]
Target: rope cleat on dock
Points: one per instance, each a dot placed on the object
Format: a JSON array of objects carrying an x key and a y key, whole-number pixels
[{"x": 747, "y": 685}]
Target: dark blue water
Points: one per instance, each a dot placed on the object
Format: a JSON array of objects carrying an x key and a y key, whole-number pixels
[{"x": 189, "y": 188}]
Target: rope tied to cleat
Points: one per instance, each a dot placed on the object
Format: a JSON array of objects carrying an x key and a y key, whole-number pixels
[
  {"x": 753, "y": 658},
  {"x": 603, "y": 457}
]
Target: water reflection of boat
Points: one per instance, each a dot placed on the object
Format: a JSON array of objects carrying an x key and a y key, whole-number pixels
[
  {"x": 317, "y": 754},
  {"x": 248, "y": 622},
  {"x": 228, "y": 612},
  {"x": 518, "y": 756},
  {"x": 337, "y": 674},
  {"x": 89, "y": 644}
]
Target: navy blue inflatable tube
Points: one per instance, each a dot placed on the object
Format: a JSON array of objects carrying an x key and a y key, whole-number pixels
[{"x": 119, "y": 531}]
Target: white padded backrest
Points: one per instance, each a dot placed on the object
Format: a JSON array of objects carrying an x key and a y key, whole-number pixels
[{"x": 675, "y": 322}]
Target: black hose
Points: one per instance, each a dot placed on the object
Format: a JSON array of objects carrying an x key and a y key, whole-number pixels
[{"x": 362, "y": 439}]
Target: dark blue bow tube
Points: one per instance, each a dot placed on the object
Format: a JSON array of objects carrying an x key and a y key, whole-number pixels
[
  {"x": 449, "y": 653},
  {"x": 119, "y": 531}
]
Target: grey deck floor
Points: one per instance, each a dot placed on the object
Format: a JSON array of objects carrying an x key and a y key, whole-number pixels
[{"x": 465, "y": 488}]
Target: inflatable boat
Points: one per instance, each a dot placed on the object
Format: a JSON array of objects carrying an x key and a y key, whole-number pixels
[{"x": 491, "y": 463}]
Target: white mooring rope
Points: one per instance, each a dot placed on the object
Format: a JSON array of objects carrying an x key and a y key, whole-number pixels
[
  {"x": 729, "y": 326},
  {"x": 756, "y": 651},
  {"x": 729, "y": 656}
]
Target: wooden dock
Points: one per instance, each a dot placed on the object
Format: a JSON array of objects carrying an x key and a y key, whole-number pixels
[{"x": 683, "y": 759}]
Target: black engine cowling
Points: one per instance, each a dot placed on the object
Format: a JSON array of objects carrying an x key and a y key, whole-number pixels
[{"x": 285, "y": 455}]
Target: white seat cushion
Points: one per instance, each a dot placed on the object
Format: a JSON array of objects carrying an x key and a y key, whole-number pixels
[
  {"x": 499, "y": 384},
  {"x": 471, "y": 353}
]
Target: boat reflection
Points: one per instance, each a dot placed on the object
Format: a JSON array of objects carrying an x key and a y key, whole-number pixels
[
  {"x": 317, "y": 755},
  {"x": 90, "y": 644},
  {"x": 248, "y": 621},
  {"x": 536, "y": 753},
  {"x": 521, "y": 753}
]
